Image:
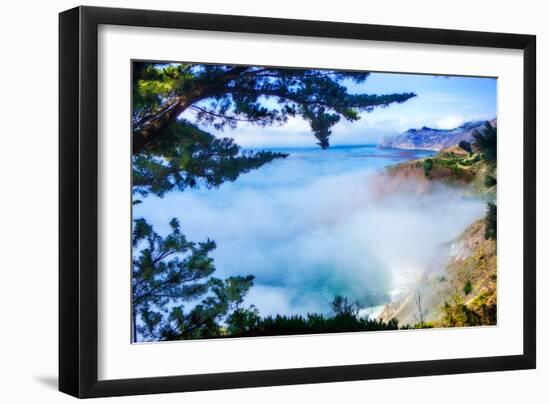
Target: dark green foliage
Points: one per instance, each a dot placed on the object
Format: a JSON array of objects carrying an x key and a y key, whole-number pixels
[
  {"x": 486, "y": 141},
  {"x": 485, "y": 306},
  {"x": 175, "y": 295},
  {"x": 206, "y": 319},
  {"x": 488, "y": 314},
  {"x": 469, "y": 161},
  {"x": 169, "y": 271},
  {"x": 447, "y": 162},
  {"x": 247, "y": 322},
  {"x": 490, "y": 181},
  {"x": 467, "y": 288},
  {"x": 457, "y": 314},
  {"x": 422, "y": 325},
  {"x": 165, "y": 270},
  {"x": 342, "y": 307},
  {"x": 464, "y": 145},
  {"x": 223, "y": 96},
  {"x": 313, "y": 324},
  {"x": 170, "y": 153},
  {"x": 428, "y": 165},
  {"x": 491, "y": 221},
  {"x": 243, "y": 322},
  {"x": 186, "y": 156}
]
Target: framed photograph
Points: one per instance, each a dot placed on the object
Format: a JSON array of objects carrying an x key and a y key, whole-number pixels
[{"x": 252, "y": 202}]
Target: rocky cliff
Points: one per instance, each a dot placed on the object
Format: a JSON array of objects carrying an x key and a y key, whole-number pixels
[
  {"x": 433, "y": 139},
  {"x": 466, "y": 285},
  {"x": 460, "y": 289}
]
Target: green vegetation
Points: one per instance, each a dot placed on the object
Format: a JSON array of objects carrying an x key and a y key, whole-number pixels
[
  {"x": 457, "y": 314},
  {"x": 467, "y": 146},
  {"x": 468, "y": 297},
  {"x": 490, "y": 181},
  {"x": 173, "y": 154},
  {"x": 450, "y": 168},
  {"x": 187, "y": 157},
  {"x": 224, "y": 96},
  {"x": 491, "y": 221},
  {"x": 478, "y": 312},
  {"x": 428, "y": 165},
  {"x": 169, "y": 271},
  {"x": 465, "y": 165},
  {"x": 470, "y": 160},
  {"x": 474, "y": 273},
  {"x": 467, "y": 288},
  {"x": 344, "y": 318},
  {"x": 485, "y": 306},
  {"x": 486, "y": 141},
  {"x": 174, "y": 292}
]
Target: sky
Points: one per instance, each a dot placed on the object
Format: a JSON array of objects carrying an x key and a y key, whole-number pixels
[
  {"x": 443, "y": 102},
  {"x": 310, "y": 226}
]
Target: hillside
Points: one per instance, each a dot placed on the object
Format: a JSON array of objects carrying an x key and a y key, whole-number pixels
[
  {"x": 464, "y": 287},
  {"x": 427, "y": 138},
  {"x": 460, "y": 289},
  {"x": 452, "y": 166}
]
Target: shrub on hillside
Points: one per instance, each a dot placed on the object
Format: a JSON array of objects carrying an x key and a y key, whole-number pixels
[
  {"x": 491, "y": 221},
  {"x": 428, "y": 165}
]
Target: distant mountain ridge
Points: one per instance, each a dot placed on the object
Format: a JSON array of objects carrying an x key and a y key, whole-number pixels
[{"x": 433, "y": 139}]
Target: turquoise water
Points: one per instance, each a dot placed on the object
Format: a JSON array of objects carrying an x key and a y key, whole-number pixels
[
  {"x": 308, "y": 227},
  {"x": 304, "y": 165}
]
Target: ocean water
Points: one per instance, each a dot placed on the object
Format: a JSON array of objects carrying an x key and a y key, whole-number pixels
[{"x": 309, "y": 227}]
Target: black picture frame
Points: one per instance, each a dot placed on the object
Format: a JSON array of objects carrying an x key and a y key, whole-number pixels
[{"x": 78, "y": 201}]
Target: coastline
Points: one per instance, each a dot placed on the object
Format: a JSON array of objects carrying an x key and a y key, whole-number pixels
[{"x": 469, "y": 261}]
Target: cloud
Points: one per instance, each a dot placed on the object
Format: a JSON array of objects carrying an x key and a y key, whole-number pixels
[
  {"x": 271, "y": 301},
  {"x": 450, "y": 122},
  {"x": 309, "y": 238}
]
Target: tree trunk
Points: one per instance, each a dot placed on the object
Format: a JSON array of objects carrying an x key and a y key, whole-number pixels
[
  {"x": 149, "y": 131},
  {"x": 152, "y": 129}
]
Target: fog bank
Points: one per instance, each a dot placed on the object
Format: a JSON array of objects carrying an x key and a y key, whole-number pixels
[{"x": 308, "y": 235}]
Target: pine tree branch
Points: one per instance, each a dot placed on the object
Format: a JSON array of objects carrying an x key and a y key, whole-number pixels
[{"x": 222, "y": 116}]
